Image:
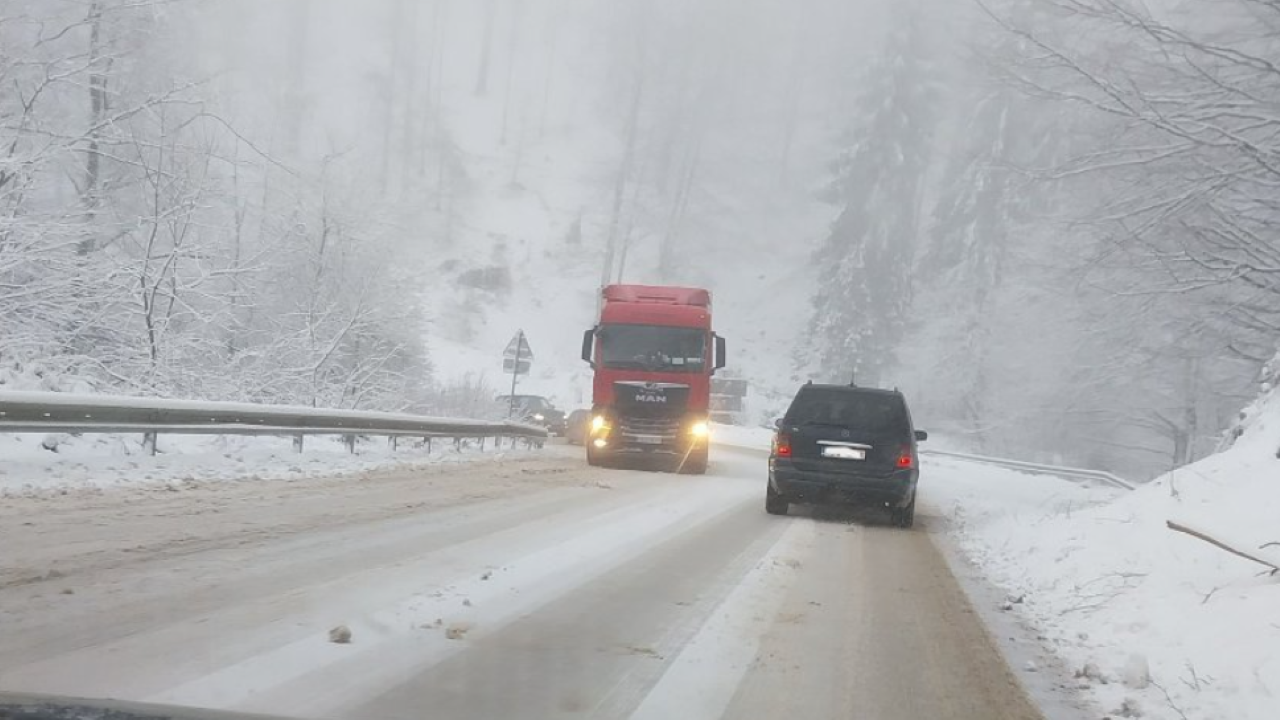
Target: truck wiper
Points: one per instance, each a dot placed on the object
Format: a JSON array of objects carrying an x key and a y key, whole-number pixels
[{"x": 625, "y": 365}]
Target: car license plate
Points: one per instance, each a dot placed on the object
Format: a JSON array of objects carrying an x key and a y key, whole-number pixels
[
  {"x": 649, "y": 439},
  {"x": 842, "y": 452}
]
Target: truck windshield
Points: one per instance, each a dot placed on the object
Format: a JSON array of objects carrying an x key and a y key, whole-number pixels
[{"x": 654, "y": 348}]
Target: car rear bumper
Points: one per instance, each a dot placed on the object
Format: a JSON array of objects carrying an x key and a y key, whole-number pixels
[{"x": 822, "y": 488}]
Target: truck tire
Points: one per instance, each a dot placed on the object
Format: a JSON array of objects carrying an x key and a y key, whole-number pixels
[
  {"x": 593, "y": 459},
  {"x": 774, "y": 504},
  {"x": 695, "y": 463}
]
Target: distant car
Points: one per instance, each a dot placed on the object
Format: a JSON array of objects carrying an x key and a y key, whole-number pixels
[
  {"x": 576, "y": 427},
  {"x": 533, "y": 409},
  {"x": 846, "y": 445}
]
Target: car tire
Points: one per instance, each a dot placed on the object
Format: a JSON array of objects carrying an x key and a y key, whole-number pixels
[
  {"x": 775, "y": 504},
  {"x": 905, "y": 517}
]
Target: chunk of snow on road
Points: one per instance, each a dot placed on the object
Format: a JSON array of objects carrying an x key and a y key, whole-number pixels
[{"x": 457, "y": 630}]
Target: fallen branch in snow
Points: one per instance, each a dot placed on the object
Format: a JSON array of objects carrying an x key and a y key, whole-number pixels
[
  {"x": 1179, "y": 527},
  {"x": 1169, "y": 700}
]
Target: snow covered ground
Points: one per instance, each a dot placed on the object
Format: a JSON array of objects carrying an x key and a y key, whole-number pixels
[{"x": 1154, "y": 623}]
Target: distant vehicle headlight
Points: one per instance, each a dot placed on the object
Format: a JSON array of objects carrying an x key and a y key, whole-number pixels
[
  {"x": 539, "y": 417},
  {"x": 700, "y": 429}
]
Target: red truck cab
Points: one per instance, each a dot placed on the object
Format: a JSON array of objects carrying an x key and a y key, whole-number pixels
[{"x": 653, "y": 353}]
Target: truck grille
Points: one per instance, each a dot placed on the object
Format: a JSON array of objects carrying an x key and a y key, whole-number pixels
[{"x": 666, "y": 427}]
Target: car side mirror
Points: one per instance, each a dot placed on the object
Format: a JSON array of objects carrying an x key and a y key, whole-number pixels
[
  {"x": 921, "y": 436},
  {"x": 588, "y": 347}
]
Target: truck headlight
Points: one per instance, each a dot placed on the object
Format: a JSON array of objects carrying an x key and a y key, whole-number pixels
[
  {"x": 598, "y": 423},
  {"x": 700, "y": 429}
]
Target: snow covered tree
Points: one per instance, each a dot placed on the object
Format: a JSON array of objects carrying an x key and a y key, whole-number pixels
[{"x": 864, "y": 294}]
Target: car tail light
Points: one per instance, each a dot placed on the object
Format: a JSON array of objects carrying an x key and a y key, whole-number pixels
[
  {"x": 906, "y": 458},
  {"x": 782, "y": 445}
]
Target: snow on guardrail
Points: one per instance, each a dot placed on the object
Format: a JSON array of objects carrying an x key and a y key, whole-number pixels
[{"x": 22, "y": 411}]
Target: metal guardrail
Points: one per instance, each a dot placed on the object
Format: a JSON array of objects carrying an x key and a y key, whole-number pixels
[
  {"x": 1066, "y": 472},
  {"x": 79, "y": 413}
]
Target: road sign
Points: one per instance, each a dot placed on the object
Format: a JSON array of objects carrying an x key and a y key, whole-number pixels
[
  {"x": 517, "y": 358},
  {"x": 509, "y": 365},
  {"x": 518, "y": 347}
]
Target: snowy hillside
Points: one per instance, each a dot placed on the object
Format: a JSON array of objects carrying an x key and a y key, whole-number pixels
[{"x": 524, "y": 246}]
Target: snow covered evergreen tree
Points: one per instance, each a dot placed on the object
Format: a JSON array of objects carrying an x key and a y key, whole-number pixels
[
  {"x": 961, "y": 266},
  {"x": 864, "y": 293}
]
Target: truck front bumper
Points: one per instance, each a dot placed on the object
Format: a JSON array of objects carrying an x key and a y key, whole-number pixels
[{"x": 671, "y": 436}]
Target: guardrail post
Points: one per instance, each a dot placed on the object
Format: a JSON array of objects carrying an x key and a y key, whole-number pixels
[
  {"x": 297, "y": 442},
  {"x": 391, "y": 440},
  {"x": 457, "y": 444},
  {"x": 350, "y": 441},
  {"x": 482, "y": 443},
  {"x": 427, "y": 440},
  {"x": 149, "y": 443}
]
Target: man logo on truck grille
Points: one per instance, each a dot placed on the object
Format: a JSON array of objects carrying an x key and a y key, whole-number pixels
[{"x": 647, "y": 398}]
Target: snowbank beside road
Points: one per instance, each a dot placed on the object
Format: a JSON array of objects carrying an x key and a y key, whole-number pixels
[
  {"x": 1158, "y": 624},
  {"x": 98, "y": 461}
]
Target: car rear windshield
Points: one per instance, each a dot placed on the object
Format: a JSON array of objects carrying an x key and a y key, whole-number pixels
[{"x": 877, "y": 413}]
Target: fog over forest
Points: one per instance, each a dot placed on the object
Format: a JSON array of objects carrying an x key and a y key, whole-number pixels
[{"x": 1052, "y": 223}]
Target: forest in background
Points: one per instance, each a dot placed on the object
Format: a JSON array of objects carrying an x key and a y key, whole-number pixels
[{"x": 1050, "y": 221}]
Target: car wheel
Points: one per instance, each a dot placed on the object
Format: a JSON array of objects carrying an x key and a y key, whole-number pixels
[
  {"x": 905, "y": 517},
  {"x": 774, "y": 504}
]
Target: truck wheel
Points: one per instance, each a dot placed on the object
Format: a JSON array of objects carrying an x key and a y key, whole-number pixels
[
  {"x": 593, "y": 459},
  {"x": 695, "y": 463},
  {"x": 774, "y": 504}
]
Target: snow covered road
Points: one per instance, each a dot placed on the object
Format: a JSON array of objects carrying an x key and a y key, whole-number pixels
[{"x": 533, "y": 588}]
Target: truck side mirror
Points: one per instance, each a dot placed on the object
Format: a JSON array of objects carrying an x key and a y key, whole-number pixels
[
  {"x": 721, "y": 355},
  {"x": 588, "y": 347}
]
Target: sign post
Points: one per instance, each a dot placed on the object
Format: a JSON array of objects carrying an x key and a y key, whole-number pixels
[{"x": 517, "y": 358}]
